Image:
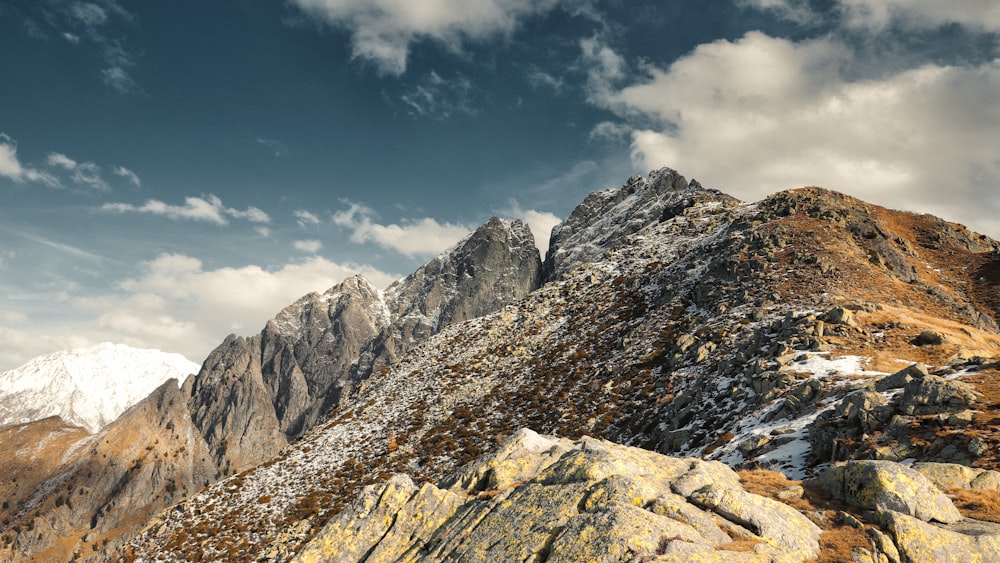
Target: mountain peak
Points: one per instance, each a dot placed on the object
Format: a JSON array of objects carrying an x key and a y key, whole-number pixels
[
  {"x": 605, "y": 218},
  {"x": 87, "y": 387}
]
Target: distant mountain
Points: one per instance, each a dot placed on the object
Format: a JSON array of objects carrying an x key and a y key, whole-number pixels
[{"x": 88, "y": 387}]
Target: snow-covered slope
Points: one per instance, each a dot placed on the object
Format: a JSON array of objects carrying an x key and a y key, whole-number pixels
[{"x": 88, "y": 387}]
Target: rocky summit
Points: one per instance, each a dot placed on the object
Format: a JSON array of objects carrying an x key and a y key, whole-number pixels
[{"x": 805, "y": 378}]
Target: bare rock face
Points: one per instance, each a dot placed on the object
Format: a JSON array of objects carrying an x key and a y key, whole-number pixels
[
  {"x": 492, "y": 267},
  {"x": 254, "y": 395},
  {"x": 605, "y": 219},
  {"x": 556, "y": 500},
  {"x": 889, "y": 486}
]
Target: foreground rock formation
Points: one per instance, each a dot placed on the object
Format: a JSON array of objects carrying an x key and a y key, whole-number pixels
[
  {"x": 545, "y": 499},
  {"x": 540, "y": 498}
]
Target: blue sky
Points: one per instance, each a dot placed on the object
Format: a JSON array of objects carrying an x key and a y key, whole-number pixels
[{"x": 173, "y": 172}]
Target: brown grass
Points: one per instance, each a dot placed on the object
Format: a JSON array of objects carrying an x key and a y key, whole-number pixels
[
  {"x": 976, "y": 503},
  {"x": 837, "y": 544},
  {"x": 741, "y": 544},
  {"x": 837, "y": 541},
  {"x": 767, "y": 483}
]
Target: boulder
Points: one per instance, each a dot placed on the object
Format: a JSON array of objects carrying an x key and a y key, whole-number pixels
[
  {"x": 934, "y": 395},
  {"x": 899, "y": 379},
  {"x": 947, "y": 475},
  {"x": 920, "y": 541},
  {"x": 888, "y": 486}
]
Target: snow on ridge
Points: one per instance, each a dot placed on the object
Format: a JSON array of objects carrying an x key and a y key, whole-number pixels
[{"x": 88, "y": 387}]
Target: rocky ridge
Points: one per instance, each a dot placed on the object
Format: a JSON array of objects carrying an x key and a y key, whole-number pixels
[{"x": 721, "y": 330}]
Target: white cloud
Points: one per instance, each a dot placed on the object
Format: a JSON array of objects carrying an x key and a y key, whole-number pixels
[
  {"x": 11, "y": 167},
  {"x": 74, "y": 39},
  {"x": 415, "y": 237},
  {"x": 540, "y": 222},
  {"x": 129, "y": 175},
  {"x": 306, "y": 218},
  {"x": 208, "y": 208},
  {"x": 605, "y": 68},
  {"x": 175, "y": 304},
  {"x": 383, "y": 30},
  {"x": 308, "y": 246},
  {"x": 763, "y": 114}
]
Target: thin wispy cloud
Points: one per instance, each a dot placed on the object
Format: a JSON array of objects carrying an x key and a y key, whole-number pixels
[
  {"x": 130, "y": 176},
  {"x": 86, "y": 174},
  {"x": 306, "y": 218},
  {"x": 64, "y": 248},
  {"x": 209, "y": 209},
  {"x": 277, "y": 148},
  {"x": 96, "y": 23},
  {"x": 439, "y": 98}
]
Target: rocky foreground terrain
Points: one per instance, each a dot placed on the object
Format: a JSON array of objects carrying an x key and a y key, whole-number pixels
[{"x": 697, "y": 369}]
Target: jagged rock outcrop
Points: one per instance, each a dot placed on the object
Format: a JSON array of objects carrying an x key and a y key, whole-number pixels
[
  {"x": 494, "y": 266},
  {"x": 889, "y": 486},
  {"x": 254, "y": 395},
  {"x": 605, "y": 218},
  {"x": 545, "y": 499}
]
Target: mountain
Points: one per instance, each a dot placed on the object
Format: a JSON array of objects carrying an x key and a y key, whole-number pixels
[
  {"x": 806, "y": 328},
  {"x": 253, "y": 396},
  {"x": 88, "y": 387},
  {"x": 791, "y": 333},
  {"x": 250, "y": 399}
]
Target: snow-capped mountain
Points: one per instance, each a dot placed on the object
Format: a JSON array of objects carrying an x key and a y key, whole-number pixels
[{"x": 89, "y": 387}]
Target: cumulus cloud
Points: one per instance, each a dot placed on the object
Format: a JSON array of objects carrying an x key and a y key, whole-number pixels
[
  {"x": 383, "y": 30},
  {"x": 308, "y": 246},
  {"x": 208, "y": 209},
  {"x": 414, "y": 238},
  {"x": 174, "y": 303},
  {"x": 761, "y": 114}
]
